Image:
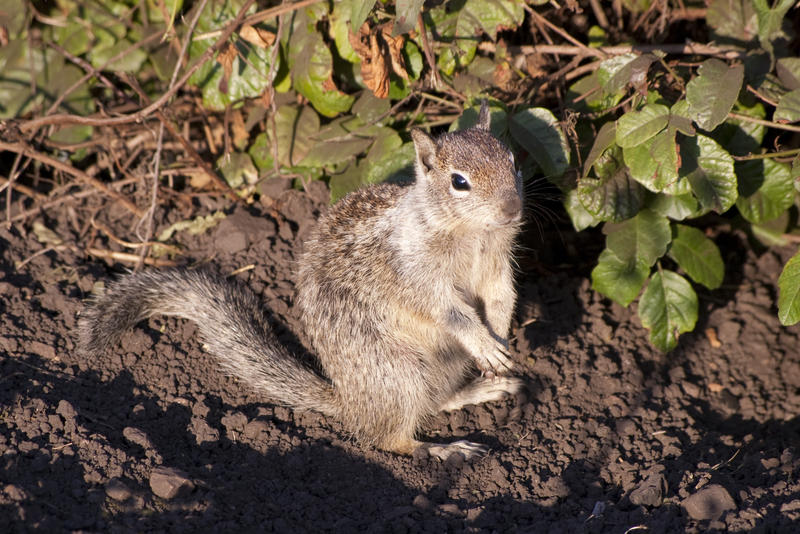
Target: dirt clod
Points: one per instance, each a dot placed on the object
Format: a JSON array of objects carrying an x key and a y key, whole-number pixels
[
  {"x": 709, "y": 503},
  {"x": 168, "y": 482}
]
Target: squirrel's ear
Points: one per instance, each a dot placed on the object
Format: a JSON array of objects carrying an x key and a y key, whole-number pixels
[
  {"x": 426, "y": 149},
  {"x": 484, "y": 119}
]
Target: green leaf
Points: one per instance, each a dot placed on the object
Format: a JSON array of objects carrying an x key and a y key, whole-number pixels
[
  {"x": 296, "y": 128},
  {"x": 130, "y": 62},
  {"x": 795, "y": 172},
  {"x": 788, "y": 70},
  {"x": 369, "y": 108},
  {"x": 614, "y": 197},
  {"x": 680, "y": 120},
  {"x": 788, "y": 109},
  {"x": 605, "y": 138},
  {"x": 789, "y": 292},
  {"x": 698, "y": 256},
  {"x": 311, "y": 66},
  {"x": 238, "y": 169},
  {"x": 327, "y": 153},
  {"x": 668, "y": 308},
  {"x": 260, "y": 152},
  {"x": 618, "y": 280},
  {"x": 461, "y": 24},
  {"x": 654, "y": 164},
  {"x": 771, "y": 21},
  {"x": 537, "y": 131},
  {"x": 393, "y": 166},
  {"x": 709, "y": 169},
  {"x": 676, "y": 207},
  {"x": 643, "y": 238},
  {"x": 772, "y": 233},
  {"x": 713, "y": 92},
  {"x": 765, "y": 189},
  {"x": 741, "y": 137},
  {"x": 359, "y": 11},
  {"x": 406, "y": 12},
  {"x": 732, "y": 21},
  {"x": 339, "y": 20},
  {"x": 580, "y": 216},
  {"x": 633, "y": 71},
  {"x": 636, "y": 127}
]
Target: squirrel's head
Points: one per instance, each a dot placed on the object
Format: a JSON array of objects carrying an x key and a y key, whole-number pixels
[{"x": 470, "y": 176}]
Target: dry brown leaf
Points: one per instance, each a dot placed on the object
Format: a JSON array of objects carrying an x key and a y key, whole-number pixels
[
  {"x": 395, "y": 45},
  {"x": 503, "y": 76},
  {"x": 378, "y": 50},
  {"x": 225, "y": 58},
  {"x": 257, "y": 36},
  {"x": 240, "y": 135},
  {"x": 711, "y": 334}
]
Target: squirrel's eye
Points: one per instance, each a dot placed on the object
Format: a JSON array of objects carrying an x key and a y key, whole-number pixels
[{"x": 459, "y": 182}]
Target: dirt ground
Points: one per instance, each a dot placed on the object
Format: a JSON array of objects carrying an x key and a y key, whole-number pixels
[{"x": 611, "y": 435}]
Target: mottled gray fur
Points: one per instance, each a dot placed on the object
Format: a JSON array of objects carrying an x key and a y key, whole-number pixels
[{"x": 402, "y": 292}]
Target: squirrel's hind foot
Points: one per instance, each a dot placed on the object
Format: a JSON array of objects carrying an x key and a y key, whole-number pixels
[{"x": 468, "y": 449}]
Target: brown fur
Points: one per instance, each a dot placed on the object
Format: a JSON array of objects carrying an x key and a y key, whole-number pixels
[{"x": 402, "y": 291}]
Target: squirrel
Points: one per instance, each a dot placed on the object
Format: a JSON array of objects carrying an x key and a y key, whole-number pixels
[{"x": 403, "y": 292}]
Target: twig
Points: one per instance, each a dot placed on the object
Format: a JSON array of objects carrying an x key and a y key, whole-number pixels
[
  {"x": 597, "y": 52},
  {"x": 25, "y": 190},
  {"x": 127, "y": 244},
  {"x": 762, "y": 97},
  {"x": 131, "y": 258},
  {"x": 685, "y": 49},
  {"x": 768, "y": 155},
  {"x": 762, "y": 122},
  {"x": 60, "y": 200},
  {"x": 273, "y": 107},
  {"x": 599, "y": 14},
  {"x": 56, "y": 164},
  {"x": 426, "y": 48}
]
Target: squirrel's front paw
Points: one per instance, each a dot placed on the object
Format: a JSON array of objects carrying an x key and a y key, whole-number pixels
[{"x": 497, "y": 360}]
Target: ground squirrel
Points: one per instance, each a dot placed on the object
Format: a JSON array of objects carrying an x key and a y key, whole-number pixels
[{"x": 403, "y": 292}]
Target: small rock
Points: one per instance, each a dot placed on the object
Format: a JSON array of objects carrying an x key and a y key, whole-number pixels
[
  {"x": 66, "y": 410},
  {"x": 422, "y": 502},
  {"x": 117, "y": 490},
  {"x": 650, "y": 492},
  {"x": 203, "y": 432},
  {"x": 709, "y": 503},
  {"x": 255, "y": 428},
  {"x": 450, "y": 509},
  {"x": 137, "y": 436},
  {"x": 42, "y": 349},
  {"x": 15, "y": 493},
  {"x": 168, "y": 482}
]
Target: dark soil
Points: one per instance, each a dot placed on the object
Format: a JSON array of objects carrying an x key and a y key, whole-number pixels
[{"x": 612, "y": 436}]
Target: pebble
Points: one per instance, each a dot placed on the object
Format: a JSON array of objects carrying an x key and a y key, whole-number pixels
[
  {"x": 137, "y": 436},
  {"x": 168, "y": 482},
  {"x": 709, "y": 503},
  {"x": 118, "y": 490},
  {"x": 650, "y": 492}
]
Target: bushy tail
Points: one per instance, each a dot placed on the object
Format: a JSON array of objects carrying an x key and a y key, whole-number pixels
[{"x": 231, "y": 323}]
